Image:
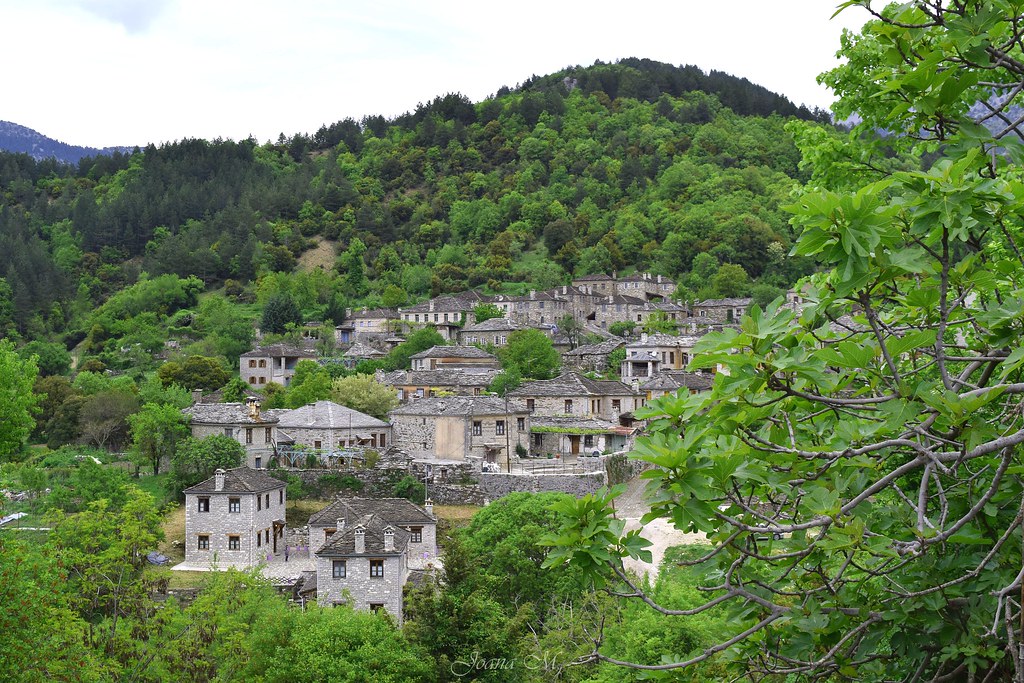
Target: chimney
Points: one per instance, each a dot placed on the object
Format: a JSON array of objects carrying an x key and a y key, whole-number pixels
[
  {"x": 643, "y": 337},
  {"x": 431, "y": 304},
  {"x": 254, "y": 407},
  {"x": 389, "y": 539},
  {"x": 348, "y": 313},
  {"x": 533, "y": 294},
  {"x": 360, "y": 535},
  {"x": 197, "y": 396},
  {"x": 341, "y": 525},
  {"x": 218, "y": 480},
  {"x": 659, "y": 279},
  {"x": 428, "y": 505}
]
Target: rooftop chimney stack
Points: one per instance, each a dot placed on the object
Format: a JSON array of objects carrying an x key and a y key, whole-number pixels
[
  {"x": 341, "y": 524},
  {"x": 389, "y": 539},
  {"x": 360, "y": 535},
  {"x": 428, "y": 505},
  {"x": 218, "y": 480}
]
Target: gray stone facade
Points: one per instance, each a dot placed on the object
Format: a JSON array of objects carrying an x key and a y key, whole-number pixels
[
  {"x": 240, "y": 507},
  {"x": 478, "y": 428},
  {"x": 358, "y": 588}
]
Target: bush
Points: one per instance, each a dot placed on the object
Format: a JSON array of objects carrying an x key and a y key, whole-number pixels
[
  {"x": 410, "y": 488},
  {"x": 295, "y": 490}
]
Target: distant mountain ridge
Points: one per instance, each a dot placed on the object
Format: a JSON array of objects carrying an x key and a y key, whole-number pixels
[{"x": 20, "y": 139}]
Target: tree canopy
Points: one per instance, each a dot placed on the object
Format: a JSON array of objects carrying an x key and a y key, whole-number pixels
[{"x": 857, "y": 469}]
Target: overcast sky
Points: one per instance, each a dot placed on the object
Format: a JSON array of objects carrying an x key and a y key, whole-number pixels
[{"x": 127, "y": 72}]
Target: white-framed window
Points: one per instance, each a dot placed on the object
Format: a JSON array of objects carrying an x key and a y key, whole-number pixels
[
  {"x": 204, "y": 504},
  {"x": 377, "y": 569},
  {"x": 234, "y": 504},
  {"x": 204, "y": 542},
  {"x": 338, "y": 569},
  {"x": 234, "y": 542}
]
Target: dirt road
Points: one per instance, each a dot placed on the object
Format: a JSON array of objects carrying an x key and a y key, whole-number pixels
[{"x": 630, "y": 506}]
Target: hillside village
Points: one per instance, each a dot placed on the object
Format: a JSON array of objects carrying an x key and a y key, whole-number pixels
[{"x": 559, "y": 434}]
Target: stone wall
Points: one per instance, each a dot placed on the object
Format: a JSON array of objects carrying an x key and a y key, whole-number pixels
[
  {"x": 497, "y": 485},
  {"x": 361, "y": 588}
]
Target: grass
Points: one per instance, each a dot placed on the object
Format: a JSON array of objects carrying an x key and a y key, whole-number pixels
[
  {"x": 456, "y": 514},
  {"x": 298, "y": 512},
  {"x": 173, "y": 526},
  {"x": 155, "y": 485}
]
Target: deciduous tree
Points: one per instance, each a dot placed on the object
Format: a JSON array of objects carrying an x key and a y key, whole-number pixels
[{"x": 17, "y": 375}]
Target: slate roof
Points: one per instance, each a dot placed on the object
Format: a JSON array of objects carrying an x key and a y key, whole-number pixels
[
  {"x": 328, "y": 415},
  {"x": 659, "y": 340},
  {"x": 453, "y": 352},
  {"x": 600, "y": 349},
  {"x": 724, "y": 303},
  {"x": 278, "y": 351},
  {"x": 239, "y": 480},
  {"x": 360, "y": 350},
  {"x": 622, "y": 299},
  {"x": 596, "y": 277},
  {"x": 572, "y": 424},
  {"x": 460, "y": 406},
  {"x": 442, "y": 377},
  {"x": 393, "y": 510},
  {"x": 494, "y": 325},
  {"x": 343, "y": 543},
  {"x": 227, "y": 414},
  {"x": 572, "y": 384},
  {"x": 674, "y": 381},
  {"x": 375, "y": 313},
  {"x": 463, "y": 301}
]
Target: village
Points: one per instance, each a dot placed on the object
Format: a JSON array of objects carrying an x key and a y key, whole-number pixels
[{"x": 568, "y": 434}]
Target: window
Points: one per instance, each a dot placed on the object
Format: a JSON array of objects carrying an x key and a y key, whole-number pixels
[
  {"x": 376, "y": 607},
  {"x": 478, "y": 428},
  {"x": 268, "y": 501},
  {"x": 538, "y": 440},
  {"x": 568, "y": 406},
  {"x": 499, "y": 427},
  {"x": 252, "y": 380},
  {"x": 616, "y": 405},
  {"x": 521, "y": 424},
  {"x": 259, "y": 503},
  {"x": 252, "y": 362},
  {"x": 204, "y": 504},
  {"x": 280, "y": 497},
  {"x": 234, "y": 542},
  {"x": 377, "y": 569},
  {"x": 259, "y": 539},
  {"x": 381, "y": 441},
  {"x": 338, "y": 569},
  {"x": 266, "y": 536},
  {"x": 671, "y": 356},
  {"x": 234, "y": 504},
  {"x": 328, "y": 533},
  {"x": 263, "y": 380},
  {"x": 263, "y": 363},
  {"x": 267, "y": 434},
  {"x": 529, "y": 404},
  {"x": 248, "y": 434},
  {"x": 204, "y": 542},
  {"x": 588, "y": 440},
  {"x": 229, "y": 432},
  {"x": 258, "y": 462},
  {"x": 317, "y": 444},
  {"x": 417, "y": 534}
]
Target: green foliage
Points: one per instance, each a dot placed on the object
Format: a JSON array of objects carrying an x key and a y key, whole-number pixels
[
  {"x": 51, "y": 358},
  {"x": 858, "y": 417},
  {"x": 103, "y": 418},
  {"x": 411, "y": 488},
  {"x": 505, "y": 381},
  {"x": 311, "y": 383},
  {"x": 487, "y": 311},
  {"x": 622, "y": 328},
  {"x": 196, "y": 372},
  {"x": 156, "y": 431},
  {"x": 17, "y": 401},
  {"x": 365, "y": 394},
  {"x": 531, "y": 354},
  {"x": 195, "y": 460},
  {"x": 658, "y": 322},
  {"x": 83, "y": 481},
  {"x": 278, "y": 312},
  {"x": 418, "y": 341}
]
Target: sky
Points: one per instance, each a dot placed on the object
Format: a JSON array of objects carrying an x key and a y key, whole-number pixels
[{"x": 102, "y": 73}]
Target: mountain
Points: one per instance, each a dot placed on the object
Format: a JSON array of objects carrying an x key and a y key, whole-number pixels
[{"x": 19, "y": 139}]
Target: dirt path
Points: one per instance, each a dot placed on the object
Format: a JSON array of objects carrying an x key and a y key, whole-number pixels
[{"x": 660, "y": 532}]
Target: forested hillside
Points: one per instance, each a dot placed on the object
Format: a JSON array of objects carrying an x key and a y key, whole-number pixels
[{"x": 611, "y": 167}]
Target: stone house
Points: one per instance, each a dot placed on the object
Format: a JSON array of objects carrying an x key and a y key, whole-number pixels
[
  {"x": 592, "y": 357},
  {"x": 536, "y": 308},
  {"x": 365, "y": 565},
  {"x": 329, "y": 430},
  {"x": 465, "y": 428},
  {"x": 655, "y": 353},
  {"x": 573, "y": 395},
  {"x": 366, "y": 324},
  {"x": 727, "y": 311},
  {"x": 447, "y": 313},
  {"x": 412, "y": 385},
  {"x": 399, "y": 512},
  {"x": 274, "y": 363},
  {"x": 235, "y": 518},
  {"x": 582, "y": 303},
  {"x": 442, "y": 357},
  {"x": 671, "y": 381},
  {"x": 243, "y": 422},
  {"x": 360, "y": 352},
  {"x": 645, "y": 286},
  {"x": 578, "y": 436},
  {"x": 598, "y": 283},
  {"x": 493, "y": 331},
  {"x": 616, "y": 308}
]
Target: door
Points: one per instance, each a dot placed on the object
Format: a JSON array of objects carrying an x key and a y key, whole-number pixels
[{"x": 574, "y": 444}]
